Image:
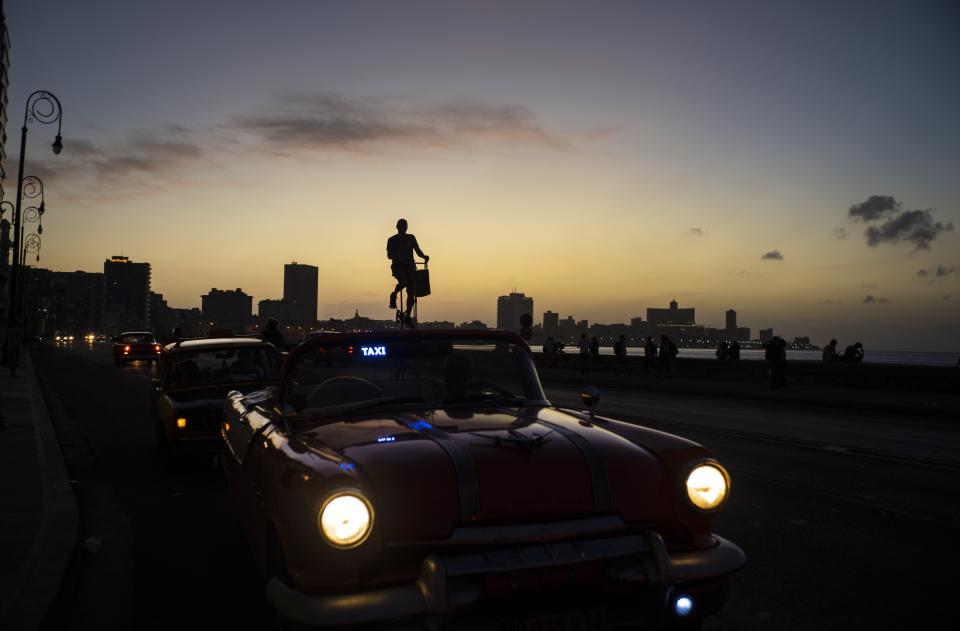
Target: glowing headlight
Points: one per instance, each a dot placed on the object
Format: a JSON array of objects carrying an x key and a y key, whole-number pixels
[
  {"x": 708, "y": 486},
  {"x": 346, "y": 519}
]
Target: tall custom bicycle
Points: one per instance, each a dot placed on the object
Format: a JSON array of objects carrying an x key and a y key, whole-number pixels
[{"x": 420, "y": 289}]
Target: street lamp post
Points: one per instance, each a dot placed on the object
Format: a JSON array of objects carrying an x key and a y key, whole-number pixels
[
  {"x": 32, "y": 189},
  {"x": 43, "y": 107}
]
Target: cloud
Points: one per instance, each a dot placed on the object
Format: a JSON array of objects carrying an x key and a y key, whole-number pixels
[
  {"x": 914, "y": 226},
  {"x": 772, "y": 255},
  {"x": 695, "y": 232},
  {"x": 946, "y": 297},
  {"x": 876, "y": 207},
  {"x": 840, "y": 233},
  {"x": 869, "y": 298},
  {"x": 869, "y": 285},
  {"x": 328, "y": 121},
  {"x": 828, "y": 301},
  {"x": 738, "y": 272},
  {"x": 88, "y": 173},
  {"x": 939, "y": 272},
  {"x": 139, "y": 153}
]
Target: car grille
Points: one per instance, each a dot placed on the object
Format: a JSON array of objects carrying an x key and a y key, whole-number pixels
[{"x": 205, "y": 421}]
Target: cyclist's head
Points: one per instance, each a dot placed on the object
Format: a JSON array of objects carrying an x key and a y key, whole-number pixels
[{"x": 402, "y": 226}]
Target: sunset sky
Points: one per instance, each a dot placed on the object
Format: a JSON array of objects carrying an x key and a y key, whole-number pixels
[{"x": 796, "y": 161}]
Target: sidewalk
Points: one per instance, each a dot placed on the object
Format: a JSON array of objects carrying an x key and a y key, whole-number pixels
[{"x": 38, "y": 512}]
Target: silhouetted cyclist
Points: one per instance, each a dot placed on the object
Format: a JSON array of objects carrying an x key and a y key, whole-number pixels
[{"x": 400, "y": 249}]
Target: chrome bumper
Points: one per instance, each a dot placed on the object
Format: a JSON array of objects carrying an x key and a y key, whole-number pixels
[{"x": 445, "y": 584}]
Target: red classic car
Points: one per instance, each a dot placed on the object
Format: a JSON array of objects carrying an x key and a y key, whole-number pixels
[
  {"x": 422, "y": 478},
  {"x": 135, "y": 345}
]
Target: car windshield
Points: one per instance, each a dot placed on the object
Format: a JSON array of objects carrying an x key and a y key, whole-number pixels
[
  {"x": 137, "y": 338},
  {"x": 205, "y": 367},
  {"x": 433, "y": 373}
]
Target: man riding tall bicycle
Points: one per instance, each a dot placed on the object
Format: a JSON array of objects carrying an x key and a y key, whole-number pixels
[{"x": 400, "y": 250}]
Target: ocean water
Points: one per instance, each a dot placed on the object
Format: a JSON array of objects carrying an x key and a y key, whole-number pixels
[{"x": 870, "y": 357}]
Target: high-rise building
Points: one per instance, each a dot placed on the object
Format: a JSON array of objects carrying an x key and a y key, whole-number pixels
[
  {"x": 70, "y": 303},
  {"x": 551, "y": 323},
  {"x": 672, "y": 316},
  {"x": 127, "y": 292},
  {"x": 731, "y": 319},
  {"x": 5, "y": 245},
  {"x": 300, "y": 293},
  {"x": 165, "y": 319},
  {"x": 568, "y": 329},
  {"x": 272, "y": 308},
  {"x": 766, "y": 335},
  {"x": 509, "y": 310},
  {"x": 226, "y": 309},
  {"x": 4, "y": 99}
]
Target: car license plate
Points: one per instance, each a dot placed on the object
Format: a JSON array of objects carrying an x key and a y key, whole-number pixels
[{"x": 592, "y": 620}]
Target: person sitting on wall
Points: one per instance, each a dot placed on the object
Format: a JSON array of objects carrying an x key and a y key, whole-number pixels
[
  {"x": 723, "y": 351},
  {"x": 733, "y": 352},
  {"x": 830, "y": 352},
  {"x": 853, "y": 354}
]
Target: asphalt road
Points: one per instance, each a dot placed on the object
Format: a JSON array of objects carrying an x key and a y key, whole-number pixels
[{"x": 848, "y": 520}]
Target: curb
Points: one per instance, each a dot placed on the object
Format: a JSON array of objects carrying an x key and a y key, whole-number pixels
[{"x": 53, "y": 548}]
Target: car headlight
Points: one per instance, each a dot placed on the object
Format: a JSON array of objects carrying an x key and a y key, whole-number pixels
[
  {"x": 708, "y": 486},
  {"x": 346, "y": 519}
]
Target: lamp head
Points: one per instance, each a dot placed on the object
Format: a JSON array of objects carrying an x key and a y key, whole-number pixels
[{"x": 57, "y": 144}]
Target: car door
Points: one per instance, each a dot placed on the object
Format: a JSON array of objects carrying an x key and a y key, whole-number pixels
[
  {"x": 243, "y": 420},
  {"x": 158, "y": 385}
]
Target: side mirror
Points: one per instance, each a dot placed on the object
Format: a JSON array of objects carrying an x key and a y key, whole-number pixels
[{"x": 590, "y": 397}]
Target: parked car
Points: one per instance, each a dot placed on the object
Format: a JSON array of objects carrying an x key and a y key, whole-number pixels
[
  {"x": 135, "y": 345},
  {"x": 423, "y": 476},
  {"x": 194, "y": 378}
]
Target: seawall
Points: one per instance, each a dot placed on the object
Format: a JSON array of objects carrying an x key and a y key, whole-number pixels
[{"x": 887, "y": 377}]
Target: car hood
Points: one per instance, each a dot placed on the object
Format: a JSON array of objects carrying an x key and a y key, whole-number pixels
[
  {"x": 215, "y": 394},
  {"x": 430, "y": 471}
]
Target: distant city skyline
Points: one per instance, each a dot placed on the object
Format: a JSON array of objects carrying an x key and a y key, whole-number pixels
[
  {"x": 801, "y": 170},
  {"x": 130, "y": 302}
]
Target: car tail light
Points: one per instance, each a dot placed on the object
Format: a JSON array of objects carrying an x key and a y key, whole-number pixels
[
  {"x": 156, "y": 347},
  {"x": 126, "y": 349}
]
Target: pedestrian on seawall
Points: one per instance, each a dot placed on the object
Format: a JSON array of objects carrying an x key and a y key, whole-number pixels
[
  {"x": 584, "y": 354},
  {"x": 649, "y": 356},
  {"x": 668, "y": 352},
  {"x": 775, "y": 353},
  {"x": 272, "y": 334},
  {"x": 620, "y": 352}
]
